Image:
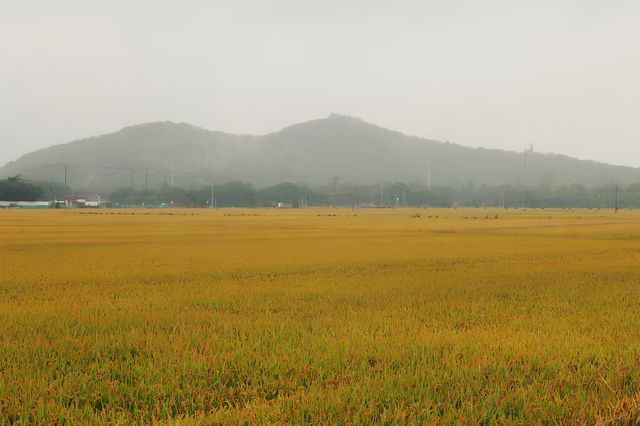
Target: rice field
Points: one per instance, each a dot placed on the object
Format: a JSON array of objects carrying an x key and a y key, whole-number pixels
[{"x": 319, "y": 316}]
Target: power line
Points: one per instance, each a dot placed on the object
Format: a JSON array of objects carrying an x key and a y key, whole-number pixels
[{"x": 202, "y": 173}]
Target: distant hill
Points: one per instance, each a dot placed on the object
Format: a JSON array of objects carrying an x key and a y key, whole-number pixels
[{"x": 311, "y": 152}]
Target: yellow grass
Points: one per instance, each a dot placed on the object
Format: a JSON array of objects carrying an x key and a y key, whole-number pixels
[{"x": 317, "y": 316}]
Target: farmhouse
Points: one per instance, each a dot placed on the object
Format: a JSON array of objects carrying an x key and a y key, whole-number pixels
[{"x": 81, "y": 202}]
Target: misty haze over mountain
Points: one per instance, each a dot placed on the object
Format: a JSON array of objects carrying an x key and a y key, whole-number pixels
[
  {"x": 500, "y": 74},
  {"x": 312, "y": 152}
]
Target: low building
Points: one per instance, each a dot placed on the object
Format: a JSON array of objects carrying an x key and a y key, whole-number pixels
[
  {"x": 75, "y": 202},
  {"x": 58, "y": 204},
  {"x": 24, "y": 204},
  {"x": 105, "y": 203},
  {"x": 83, "y": 202}
]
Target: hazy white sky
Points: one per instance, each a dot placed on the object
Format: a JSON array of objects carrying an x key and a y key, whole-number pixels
[{"x": 561, "y": 74}]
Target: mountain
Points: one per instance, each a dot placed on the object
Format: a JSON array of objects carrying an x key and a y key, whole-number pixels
[{"x": 311, "y": 152}]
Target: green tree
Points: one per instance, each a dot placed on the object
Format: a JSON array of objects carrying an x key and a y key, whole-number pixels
[{"x": 16, "y": 189}]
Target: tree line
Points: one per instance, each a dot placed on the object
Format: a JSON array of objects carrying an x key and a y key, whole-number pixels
[
  {"x": 287, "y": 194},
  {"x": 388, "y": 194}
]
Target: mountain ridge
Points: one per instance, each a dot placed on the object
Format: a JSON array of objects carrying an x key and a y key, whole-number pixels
[{"x": 313, "y": 151}]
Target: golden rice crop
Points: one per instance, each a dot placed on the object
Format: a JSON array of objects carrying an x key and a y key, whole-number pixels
[{"x": 319, "y": 316}]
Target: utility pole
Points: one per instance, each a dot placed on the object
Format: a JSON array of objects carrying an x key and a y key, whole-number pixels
[
  {"x": 172, "y": 164},
  {"x": 132, "y": 174},
  {"x": 146, "y": 186},
  {"x": 353, "y": 207},
  {"x": 65, "y": 179},
  {"x": 616, "y": 202},
  {"x": 281, "y": 183},
  {"x": 524, "y": 185},
  {"x": 429, "y": 172}
]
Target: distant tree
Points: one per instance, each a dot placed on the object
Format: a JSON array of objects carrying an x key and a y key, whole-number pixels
[
  {"x": 16, "y": 189},
  {"x": 233, "y": 194},
  {"x": 288, "y": 193}
]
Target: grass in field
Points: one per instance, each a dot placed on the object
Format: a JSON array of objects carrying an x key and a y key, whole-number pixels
[{"x": 320, "y": 316}]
